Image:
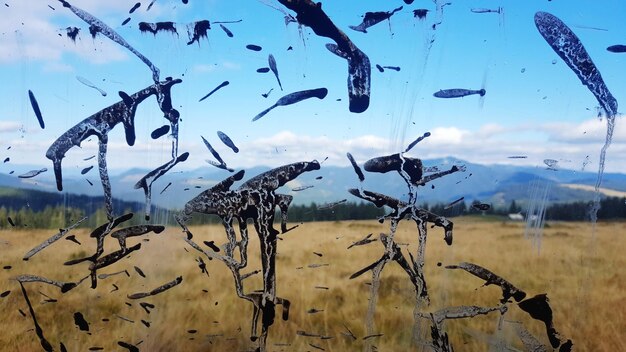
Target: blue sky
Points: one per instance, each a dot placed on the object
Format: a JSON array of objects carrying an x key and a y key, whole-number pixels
[{"x": 534, "y": 105}]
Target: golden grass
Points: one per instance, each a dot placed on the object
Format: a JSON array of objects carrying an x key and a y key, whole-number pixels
[{"x": 583, "y": 277}]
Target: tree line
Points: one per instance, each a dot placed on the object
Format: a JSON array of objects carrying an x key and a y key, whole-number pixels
[{"x": 59, "y": 216}]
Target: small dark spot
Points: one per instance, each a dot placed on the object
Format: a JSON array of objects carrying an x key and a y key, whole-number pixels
[{"x": 253, "y": 47}]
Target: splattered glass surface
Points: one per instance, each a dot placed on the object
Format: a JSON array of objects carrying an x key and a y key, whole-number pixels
[{"x": 186, "y": 175}]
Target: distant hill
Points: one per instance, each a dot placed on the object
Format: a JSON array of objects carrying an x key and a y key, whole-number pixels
[{"x": 497, "y": 184}]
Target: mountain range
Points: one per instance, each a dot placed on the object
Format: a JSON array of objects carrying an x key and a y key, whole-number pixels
[{"x": 495, "y": 184}]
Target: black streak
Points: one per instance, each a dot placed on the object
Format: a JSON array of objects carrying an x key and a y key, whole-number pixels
[
  {"x": 253, "y": 47},
  {"x": 135, "y": 7},
  {"x": 222, "y": 85},
  {"x": 293, "y": 98},
  {"x": 226, "y": 30},
  {"x": 227, "y": 141},
  {"x": 617, "y": 48},
  {"x": 35, "y": 106},
  {"x": 80, "y": 321},
  {"x": 159, "y": 132}
]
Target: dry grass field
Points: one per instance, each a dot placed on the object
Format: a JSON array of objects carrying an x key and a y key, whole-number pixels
[{"x": 583, "y": 276}]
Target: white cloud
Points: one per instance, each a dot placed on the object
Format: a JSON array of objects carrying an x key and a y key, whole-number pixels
[
  {"x": 9, "y": 126},
  {"x": 29, "y": 32},
  {"x": 490, "y": 144}
]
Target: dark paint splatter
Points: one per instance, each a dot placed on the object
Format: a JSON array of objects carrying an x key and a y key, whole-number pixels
[
  {"x": 420, "y": 13},
  {"x": 73, "y": 239},
  {"x": 42, "y": 340},
  {"x": 538, "y": 307},
  {"x": 86, "y": 170},
  {"x": 128, "y": 346},
  {"x": 6, "y": 160},
  {"x": 394, "y": 68},
  {"x": 211, "y": 244},
  {"x": 508, "y": 290},
  {"x": 571, "y": 50},
  {"x": 221, "y": 164},
  {"x": 293, "y": 98},
  {"x": 197, "y": 30},
  {"x": 126, "y": 21},
  {"x": 80, "y": 321},
  {"x": 135, "y": 7},
  {"x": 311, "y": 14},
  {"x": 72, "y": 33},
  {"x": 380, "y": 68},
  {"x": 222, "y": 85},
  {"x": 4, "y": 294},
  {"x": 253, "y": 47},
  {"x": 227, "y": 141},
  {"x": 140, "y": 272},
  {"x": 160, "y": 132},
  {"x": 227, "y": 31},
  {"x": 363, "y": 241},
  {"x": 272, "y": 64},
  {"x": 35, "y": 105},
  {"x": 146, "y": 306},
  {"x": 255, "y": 199},
  {"x": 483, "y": 10},
  {"x": 453, "y": 203},
  {"x": 10, "y": 221},
  {"x": 419, "y": 139},
  {"x": 7, "y": 267},
  {"x": 372, "y": 18},
  {"x": 32, "y": 173},
  {"x": 157, "y": 290},
  {"x": 156, "y": 27},
  {"x": 617, "y": 48},
  {"x": 263, "y": 70},
  {"x": 169, "y": 184},
  {"x": 265, "y": 95},
  {"x": 458, "y": 93},
  {"x": 51, "y": 240}
]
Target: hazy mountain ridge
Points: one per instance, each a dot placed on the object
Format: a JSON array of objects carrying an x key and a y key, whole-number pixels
[{"x": 488, "y": 183}]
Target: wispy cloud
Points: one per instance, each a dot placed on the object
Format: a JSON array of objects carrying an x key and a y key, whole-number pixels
[{"x": 489, "y": 144}]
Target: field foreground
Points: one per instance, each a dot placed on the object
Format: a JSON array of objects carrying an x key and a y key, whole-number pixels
[{"x": 582, "y": 274}]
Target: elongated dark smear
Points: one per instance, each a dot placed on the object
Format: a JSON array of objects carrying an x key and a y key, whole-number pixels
[
  {"x": 356, "y": 167},
  {"x": 380, "y": 68},
  {"x": 226, "y": 30},
  {"x": 263, "y": 70},
  {"x": 10, "y": 221},
  {"x": 419, "y": 139},
  {"x": 42, "y": 340},
  {"x": 372, "y": 18},
  {"x": 157, "y": 290},
  {"x": 617, "y": 48},
  {"x": 35, "y": 105},
  {"x": 293, "y": 98},
  {"x": 52, "y": 239},
  {"x": 221, "y": 85},
  {"x": 90, "y": 85},
  {"x": 311, "y": 15},
  {"x": 508, "y": 290},
  {"x": 135, "y": 7},
  {"x": 302, "y": 188},
  {"x": 166, "y": 187},
  {"x": 32, "y": 173},
  {"x": 271, "y": 61},
  {"x": 86, "y": 170},
  {"x": 6, "y": 160},
  {"x": 80, "y": 321},
  {"x": 128, "y": 346},
  {"x": 227, "y": 141},
  {"x": 150, "y": 5},
  {"x": 125, "y": 22},
  {"x": 458, "y": 93},
  {"x": 146, "y": 182},
  {"x": 253, "y": 47},
  {"x": 160, "y": 132},
  {"x": 571, "y": 50},
  {"x": 394, "y": 68}
]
